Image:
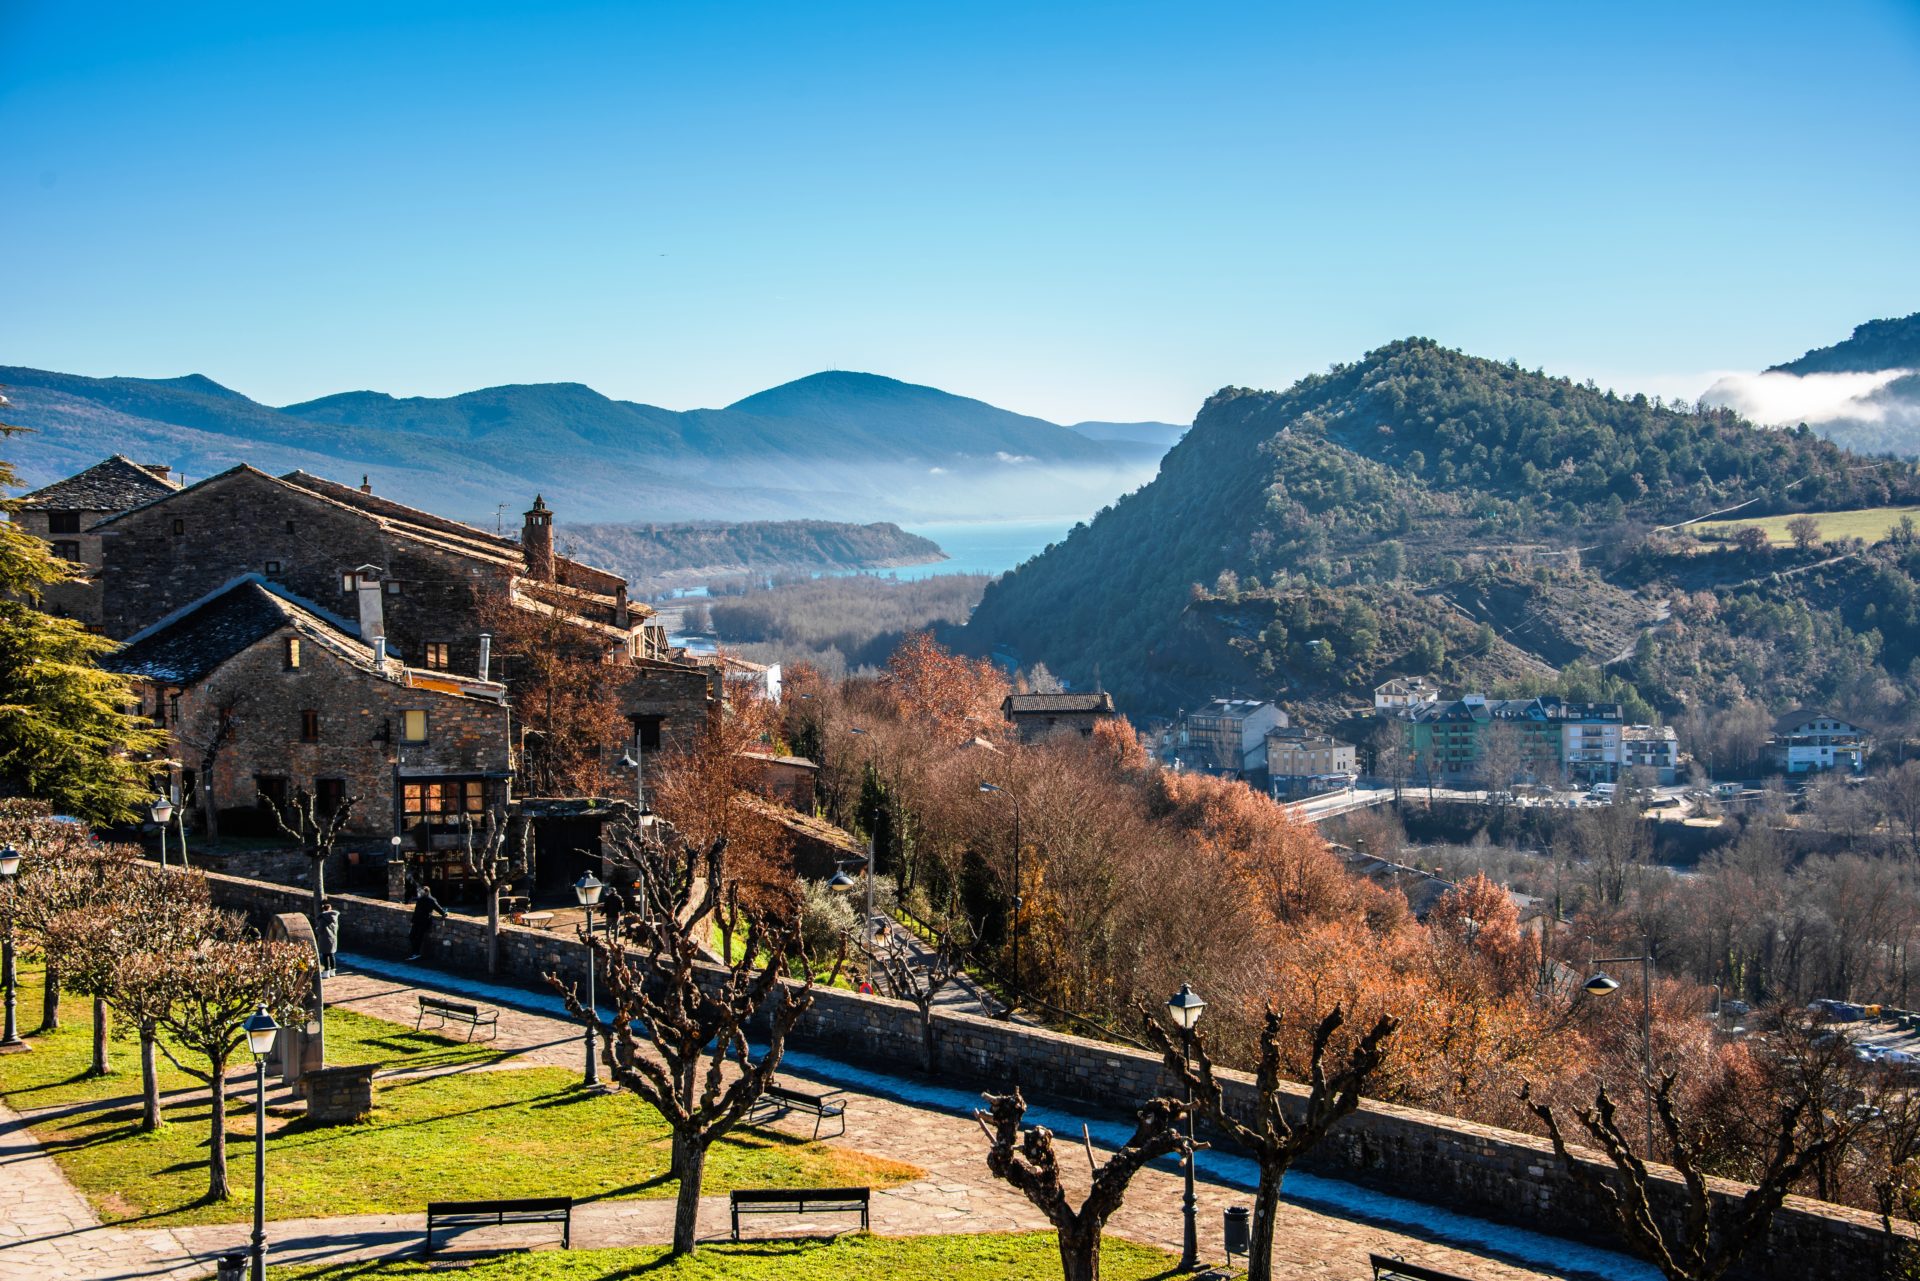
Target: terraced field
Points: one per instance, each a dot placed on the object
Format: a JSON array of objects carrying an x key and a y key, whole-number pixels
[{"x": 1870, "y": 523}]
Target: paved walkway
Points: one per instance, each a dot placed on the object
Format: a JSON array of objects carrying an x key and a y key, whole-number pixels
[{"x": 48, "y": 1233}]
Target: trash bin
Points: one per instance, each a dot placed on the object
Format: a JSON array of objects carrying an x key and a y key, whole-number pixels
[
  {"x": 1239, "y": 1230},
  {"x": 231, "y": 1267}
]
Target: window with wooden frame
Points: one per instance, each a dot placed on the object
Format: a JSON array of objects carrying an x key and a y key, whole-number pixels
[
  {"x": 444, "y": 802},
  {"x": 329, "y": 794},
  {"x": 349, "y": 582},
  {"x": 413, "y": 726},
  {"x": 66, "y": 549},
  {"x": 310, "y": 726},
  {"x": 179, "y": 527},
  {"x": 63, "y": 522},
  {"x": 293, "y": 653},
  {"x": 439, "y": 655}
]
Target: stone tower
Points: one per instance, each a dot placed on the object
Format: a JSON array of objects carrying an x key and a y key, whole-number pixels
[{"x": 536, "y": 541}]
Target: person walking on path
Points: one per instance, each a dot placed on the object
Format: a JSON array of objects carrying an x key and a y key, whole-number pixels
[
  {"x": 425, "y": 908},
  {"x": 612, "y": 904},
  {"x": 329, "y": 939}
]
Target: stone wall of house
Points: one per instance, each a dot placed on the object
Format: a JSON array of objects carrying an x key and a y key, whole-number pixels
[
  {"x": 249, "y": 523},
  {"x": 677, "y": 697},
  {"x": 1495, "y": 1174},
  {"x": 79, "y": 597},
  {"x": 361, "y": 717}
]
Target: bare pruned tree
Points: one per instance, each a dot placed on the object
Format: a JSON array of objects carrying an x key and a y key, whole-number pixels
[
  {"x": 1702, "y": 1246},
  {"x": 495, "y": 856},
  {"x": 679, "y": 1034},
  {"x": 1275, "y": 1138},
  {"x": 317, "y": 829},
  {"x": 1026, "y": 1160},
  {"x": 919, "y": 979}
]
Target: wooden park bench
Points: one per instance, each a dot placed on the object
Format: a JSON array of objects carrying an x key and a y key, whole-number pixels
[
  {"x": 1390, "y": 1269},
  {"x": 799, "y": 1201},
  {"x": 779, "y": 1100},
  {"x": 487, "y": 1214},
  {"x": 457, "y": 1012}
]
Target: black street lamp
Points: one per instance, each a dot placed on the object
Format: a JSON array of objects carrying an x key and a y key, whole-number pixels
[
  {"x": 162, "y": 814},
  {"x": 1013, "y": 926},
  {"x": 587, "y": 889},
  {"x": 1184, "y": 1008},
  {"x": 261, "y": 1031},
  {"x": 1604, "y": 984},
  {"x": 10, "y": 1042}
]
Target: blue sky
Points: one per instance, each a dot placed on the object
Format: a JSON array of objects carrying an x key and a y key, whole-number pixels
[{"x": 1082, "y": 211}]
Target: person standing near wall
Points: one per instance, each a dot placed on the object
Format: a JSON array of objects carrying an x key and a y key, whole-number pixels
[
  {"x": 329, "y": 939},
  {"x": 425, "y": 908}
]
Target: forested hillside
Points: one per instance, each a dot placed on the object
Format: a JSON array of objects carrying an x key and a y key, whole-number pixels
[{"x": 1422, "y": 510}]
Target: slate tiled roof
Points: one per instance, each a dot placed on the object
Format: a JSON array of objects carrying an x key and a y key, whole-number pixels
[
  {"x": 185, "y": 650},
  {"x": 114, "y": 485},
  {"x": 1017, "y": 704}
]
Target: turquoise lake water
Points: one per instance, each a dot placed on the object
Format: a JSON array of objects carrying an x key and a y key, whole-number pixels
[{"x": 985, "y": 546}]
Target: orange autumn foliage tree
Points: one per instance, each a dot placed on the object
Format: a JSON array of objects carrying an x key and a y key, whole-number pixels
[
  {"x": 562, "y": 684},
  {"x": 951, "y": 697},
  {"x": 705, "y": 788}
]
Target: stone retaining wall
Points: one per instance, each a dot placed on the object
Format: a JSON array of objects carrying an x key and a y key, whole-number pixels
[{"x": 1495, "y": 1174}]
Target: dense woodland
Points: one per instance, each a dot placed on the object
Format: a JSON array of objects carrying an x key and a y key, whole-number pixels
[
  {"x": 838, "y": 624},
  {"x": 1427, "y": 512}
]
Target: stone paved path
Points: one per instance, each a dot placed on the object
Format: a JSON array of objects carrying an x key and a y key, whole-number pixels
[{"x": 48, "y": 1233}]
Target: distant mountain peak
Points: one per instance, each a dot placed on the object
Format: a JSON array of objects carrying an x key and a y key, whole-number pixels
[{"x": 199, "y": 384}]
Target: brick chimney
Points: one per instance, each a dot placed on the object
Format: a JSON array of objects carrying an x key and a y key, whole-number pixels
[
  {"x": 536, "y": 541},
  {"x": 366, "y": 484}
]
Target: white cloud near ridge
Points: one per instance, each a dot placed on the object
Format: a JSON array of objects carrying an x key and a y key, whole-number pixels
[{"x": 1785, "y": 399}]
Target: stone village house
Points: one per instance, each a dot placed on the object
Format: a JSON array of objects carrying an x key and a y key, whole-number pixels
[
  {"x": 262, "y": 699},
  {"x": 65, "y": 513},
  {"x": 377, "y": 569}
]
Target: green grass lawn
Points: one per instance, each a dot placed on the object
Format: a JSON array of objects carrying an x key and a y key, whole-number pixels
[
  {"x": 55, "y": 1074},
  {"x": 1027, "y": 1256},
  {"x": 508, "y": 1133},
  {"x": 1870, "y": 523}
]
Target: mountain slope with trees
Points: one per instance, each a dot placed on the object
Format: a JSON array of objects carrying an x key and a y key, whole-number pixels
[{"x": 1422, "y": 510}]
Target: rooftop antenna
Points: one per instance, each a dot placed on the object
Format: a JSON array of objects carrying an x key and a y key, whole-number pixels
[{"x": 499, "y": 520}]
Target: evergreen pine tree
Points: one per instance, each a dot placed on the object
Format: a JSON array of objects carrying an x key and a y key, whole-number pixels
[{"x": 66, "y": 735}]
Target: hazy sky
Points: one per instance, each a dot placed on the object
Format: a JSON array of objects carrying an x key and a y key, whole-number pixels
[{"x": 1083, "y": 211}]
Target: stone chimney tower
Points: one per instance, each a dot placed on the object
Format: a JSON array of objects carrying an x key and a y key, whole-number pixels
[{"x": 536, "y": 541}]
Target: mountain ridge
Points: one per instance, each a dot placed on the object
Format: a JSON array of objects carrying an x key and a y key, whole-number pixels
[{"x": 832, "y": 448}]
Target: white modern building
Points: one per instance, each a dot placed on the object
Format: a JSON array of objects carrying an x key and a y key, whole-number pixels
[
  {"x": 1812, "y": 739},
  {"x": 1652, "y": 747}
]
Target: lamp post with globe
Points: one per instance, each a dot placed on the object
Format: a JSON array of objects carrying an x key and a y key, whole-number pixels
[
  {"x": 10, "y": 1041},
  {"x": 1183, "y": 1009},
  {"x": 588, "y": 890},
  {"x": 261, "y": 1031}
]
